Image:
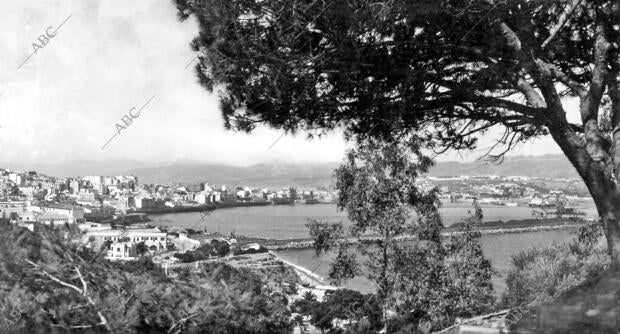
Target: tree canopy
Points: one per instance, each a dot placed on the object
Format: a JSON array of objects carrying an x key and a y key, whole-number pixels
[
  {"x": 423, "y": 282},
  {"x": 393, "y": 67},
  {"x": 442, "y": 72},
  {"x": 363, "y": 311}
]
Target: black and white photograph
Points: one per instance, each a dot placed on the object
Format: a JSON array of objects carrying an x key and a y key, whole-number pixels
[{"x": 310, "y": 166}]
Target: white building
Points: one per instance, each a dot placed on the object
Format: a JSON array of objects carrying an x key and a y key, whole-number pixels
[
  {"x": 122, "y": 251},
  {"x": 74, "y": 185},
  {"x": 144, "y": 202},
  {"x": 96, "y": 181},
  {"x": 14, "y": 206},
  {"x": 182, "y": 243},
  {"x": 16, "y": 178},
  {"x": 49, "y": 218},
  {"x": 201, "y": 198},
  {"x": 29, "y": 191},
  {"x": 92, "y": 226},
  {"x": 74, "y": 213},
  {"x": 154, "y": 239}
]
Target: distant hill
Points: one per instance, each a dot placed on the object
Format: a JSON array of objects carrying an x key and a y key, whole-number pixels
[
  {"x": 279, "y": 174},
  {"x": 267, "y": 175},
  {"x": 551, "y": 166},
  {"x": 187, "y": 171},
  {"x": 80, "y": 167}
]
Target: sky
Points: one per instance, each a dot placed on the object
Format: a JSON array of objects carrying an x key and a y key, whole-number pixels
[{"x": 110, "y": 56}]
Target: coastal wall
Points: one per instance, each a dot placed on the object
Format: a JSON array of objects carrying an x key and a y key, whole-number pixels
[
  {"x": 155, "y": 211},
  {"x": 309, "y": 243}
]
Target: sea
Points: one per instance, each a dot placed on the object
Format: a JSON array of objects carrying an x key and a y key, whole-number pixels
[{"x": 288, "y": 222}]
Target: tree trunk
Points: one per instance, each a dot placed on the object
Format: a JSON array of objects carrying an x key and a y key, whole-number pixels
[
  {"x": 608, "y": 207},
  {"x": 610, "y": 221},
  {"x": 600, "y": 184}
]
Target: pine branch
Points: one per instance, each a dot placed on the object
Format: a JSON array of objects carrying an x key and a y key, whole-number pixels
[
  {"x": 53, "y": 278},
  {"x": 83, "y": 291},
  {"x": 561, "y": 22}
]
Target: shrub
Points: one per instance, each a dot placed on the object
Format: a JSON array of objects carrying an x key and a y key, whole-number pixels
[
  {"x": 191, "y": 231},
  {"x": 290, "y": 288},
  {"x": 141, "y": 248},
  {"x": 204, "y": 252},
  {"x": 239, "y": 251},
  {"x": 142, "y": 265},
  {"x": 539, "y": 274},
  {"x": 189, "y": 257},
  {"x": 221, "y": 247}
]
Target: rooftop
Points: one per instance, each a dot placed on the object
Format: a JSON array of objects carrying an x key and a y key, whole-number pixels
[
  {"x": 63, "y": 206},
  {"x": 51, "y": 215},
  {"x": 128, "y": 232}
]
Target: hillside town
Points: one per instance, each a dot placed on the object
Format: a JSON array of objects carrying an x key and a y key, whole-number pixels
[
  {"x": 106, "y": 196},
  {"x": 29, "y": 196}
]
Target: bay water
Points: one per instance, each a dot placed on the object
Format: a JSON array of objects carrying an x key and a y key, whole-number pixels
[{"x": 288, "y": 222}]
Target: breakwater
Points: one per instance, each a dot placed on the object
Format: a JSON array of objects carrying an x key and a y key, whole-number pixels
[
  {"x": 176, "y": 209},
  {"x": 275, "y": 245}
]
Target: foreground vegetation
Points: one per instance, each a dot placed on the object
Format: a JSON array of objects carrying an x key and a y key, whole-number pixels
[
  {"x": 49, "y": 283},
  {"x": 540, "y": 274}
]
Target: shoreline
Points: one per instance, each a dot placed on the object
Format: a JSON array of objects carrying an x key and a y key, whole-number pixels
[
  {"x": 211, "y": 206},
  {"x": 305, "y": 274}
]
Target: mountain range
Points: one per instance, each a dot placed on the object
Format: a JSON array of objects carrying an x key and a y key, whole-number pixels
[
  {"x": 279, "y": 174},
  {"x": 544, "y": 166}
]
